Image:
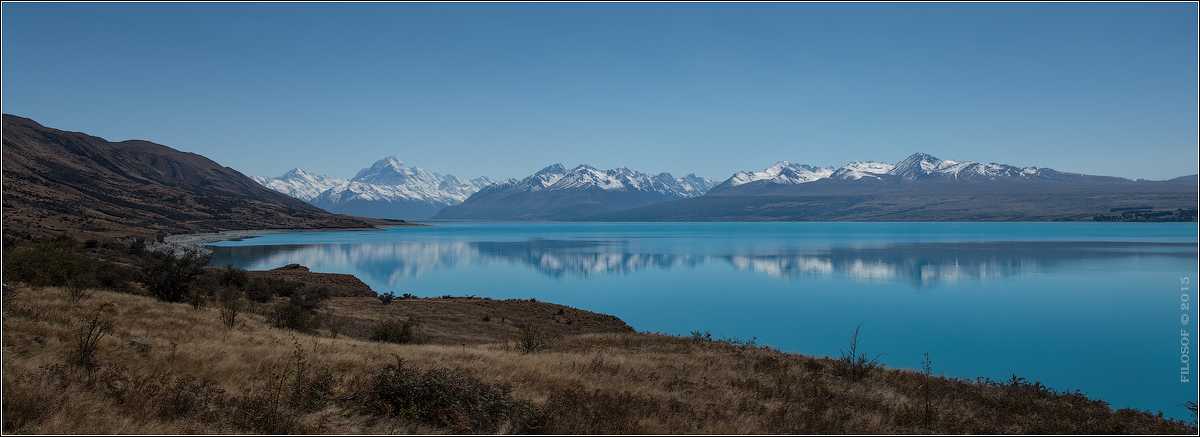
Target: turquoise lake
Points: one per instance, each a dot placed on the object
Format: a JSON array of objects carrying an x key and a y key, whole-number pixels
[{"x": 1094, "y": 307}]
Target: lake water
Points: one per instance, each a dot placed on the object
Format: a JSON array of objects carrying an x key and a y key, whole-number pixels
[{"x": 1094, "y": 307}]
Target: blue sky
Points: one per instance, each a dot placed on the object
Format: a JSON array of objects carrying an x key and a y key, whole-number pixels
[{"x": 504, "y": 89}]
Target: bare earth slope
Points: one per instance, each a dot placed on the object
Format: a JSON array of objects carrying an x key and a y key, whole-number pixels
[{"x": 69, "y": 182}]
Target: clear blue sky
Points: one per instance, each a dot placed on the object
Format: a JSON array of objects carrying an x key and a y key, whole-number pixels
[{"x": 502, "y": 90}]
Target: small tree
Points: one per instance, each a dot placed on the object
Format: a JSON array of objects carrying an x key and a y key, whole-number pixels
[
  {"x": 531, "y": 338},
  {"x": 88, "y": 334},
  {"x": 397, "y": 331},
  {"x": 168, "y": 277},
  {"x": 234, "y": 277},
  {"x": 231, "y": 304},
  {"x": 297, "y": 313},
  {"x": 854, "y": 365}
]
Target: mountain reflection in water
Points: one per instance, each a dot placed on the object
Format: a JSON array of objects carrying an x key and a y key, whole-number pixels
[{"x": 919, "y": 264}]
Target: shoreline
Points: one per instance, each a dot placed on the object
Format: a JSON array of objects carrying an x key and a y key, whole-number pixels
[
  {"x": 213, "y": 237},
  {"x": 179, "y": 244}
]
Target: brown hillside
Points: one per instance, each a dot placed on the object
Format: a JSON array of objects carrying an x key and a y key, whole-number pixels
[{"x": 69, "y": 182}]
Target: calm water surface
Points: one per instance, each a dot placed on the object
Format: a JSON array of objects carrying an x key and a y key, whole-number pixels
[{"x": 1093, "y": 307}]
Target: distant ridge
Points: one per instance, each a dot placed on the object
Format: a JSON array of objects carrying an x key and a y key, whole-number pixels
[
  {"x": 69, "y": 182},
  {"x": 925, "y": 188},
  {"x": 556, "y": 193}
]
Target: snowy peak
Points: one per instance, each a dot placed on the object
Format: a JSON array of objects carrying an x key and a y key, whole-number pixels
[
  {"x": 392, "y": 171},
  {"x": 556, "y": 178},
  {"x": 782, "y": 172},
  {"x": 623, "y": 179},
  {"x": 921, "y": 166},
  {"x": 556, "y": 193},
  {"x": 387, "y": 189},
  {"x": 918, "y": 166},
  {"x": 300, "y": 184},
  {"x": 858, "y": 170},
  {"x": 586, "y": 176},
  {"x": 543, "y": 179}
]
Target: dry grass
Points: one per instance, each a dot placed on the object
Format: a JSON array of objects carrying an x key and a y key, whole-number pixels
[{"x": 597, "y": 376}]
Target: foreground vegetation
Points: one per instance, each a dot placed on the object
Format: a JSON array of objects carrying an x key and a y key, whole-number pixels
[{"x": 225, "y": 356}]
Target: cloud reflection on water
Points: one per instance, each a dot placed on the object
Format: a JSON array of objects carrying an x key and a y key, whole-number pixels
[{"x": 920, "y": 264}]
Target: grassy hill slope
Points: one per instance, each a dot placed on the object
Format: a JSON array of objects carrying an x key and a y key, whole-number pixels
[
  {"x": 169, "y": 368},
  {"x": 57, "y": 181}
]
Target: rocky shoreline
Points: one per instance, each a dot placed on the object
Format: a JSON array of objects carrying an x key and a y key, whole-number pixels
[{"x": 179, "y": 244}]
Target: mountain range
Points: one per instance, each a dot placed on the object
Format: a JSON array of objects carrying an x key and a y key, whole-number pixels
[
  {"x": 58, "y": 182},
  {"x": 917, "y": 167},
  {"x": 926, "y": 188},
  {"x": 921, "y": 187},
  {"x": 388, "y": 189},
  {"x": 556, "y": 193}
]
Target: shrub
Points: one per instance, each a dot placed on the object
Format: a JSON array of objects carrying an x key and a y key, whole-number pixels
[
  {"x": 854, "y": 365},
  {"x": 274, "y": 408},
  {"x": 448, "y": 399},
  {"x": 167, "y": 277},
  {"x": 531, "y": 338},
  {"x": 927, "y": 370},
  {"x": 114, "y": 276},
  {"x": 201, "y": 288},
  {"x": 397, "y": 331},
  {"x": 297, "y": 313},
  {"x": 231, "y": 304},
  {"x": 262, "y": 290},
  {"x": 387, "y": 298},
  {"x": 310, "y": 299},
  {"x": 287, "y": 315},
  {"x": 334, "y": 323},
  {"x": 51, "y": 263},
  {"x": 234, "y": 277},
  {"x": 88, "y": 334}
]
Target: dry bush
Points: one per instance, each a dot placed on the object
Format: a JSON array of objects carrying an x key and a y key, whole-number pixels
[
  {"x": 398, "y": 331},
  {"x": 449, "y": 399},
  {"x": 231, "y": 303},
  {"x": 88, "y": 332},
  {"x": 169, "y": 278},
  {"x": 532, "y": 338}
]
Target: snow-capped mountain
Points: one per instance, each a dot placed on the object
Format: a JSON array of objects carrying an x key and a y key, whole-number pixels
[
  {"x": 858, "y": 170},
  {"x": 387, "y": 189},
  {"x": 555, "y": 193},
  {"x": 919, "y": 166},
  {"x": 301, "y": 184},
  {"x": 782, "y": 172},
  {"x": 556, "y": 178},
  {"x": 925, "y": 188}
]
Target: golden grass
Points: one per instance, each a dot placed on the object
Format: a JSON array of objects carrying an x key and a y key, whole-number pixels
[{"x": 199, "y": 377}]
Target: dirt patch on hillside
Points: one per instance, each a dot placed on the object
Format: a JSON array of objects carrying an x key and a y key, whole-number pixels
[{"x": 463, "y": 320}]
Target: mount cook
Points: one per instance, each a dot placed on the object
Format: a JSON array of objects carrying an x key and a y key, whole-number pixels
[{"x": 387, "y": 189}]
